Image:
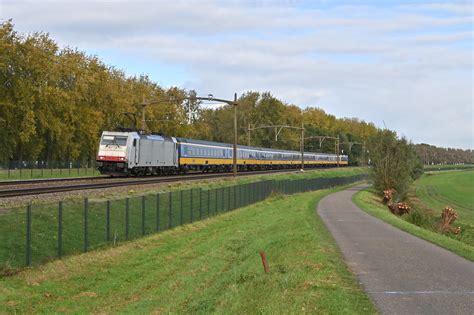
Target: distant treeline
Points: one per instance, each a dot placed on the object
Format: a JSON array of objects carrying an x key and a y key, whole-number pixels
[
  {"x": 55, "y": 102},
  {"x": 430, "y": 154}
]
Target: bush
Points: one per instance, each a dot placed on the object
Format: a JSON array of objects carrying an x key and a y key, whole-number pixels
[
  {"x": 394, "y": 163},
  {"x": 419, "y": 218}
]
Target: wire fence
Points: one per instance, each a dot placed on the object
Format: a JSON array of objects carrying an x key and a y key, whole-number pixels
[
  {"x": 38, "y": 233},
  {"x": 46, "y": 169}
]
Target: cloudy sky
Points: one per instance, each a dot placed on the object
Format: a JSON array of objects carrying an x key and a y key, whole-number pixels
[{"x": 408, "y": 64}]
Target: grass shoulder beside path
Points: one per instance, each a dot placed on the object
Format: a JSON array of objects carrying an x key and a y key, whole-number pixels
[
  {"x": 212, "y": 266},
  {"x": 370, "y": 203}
]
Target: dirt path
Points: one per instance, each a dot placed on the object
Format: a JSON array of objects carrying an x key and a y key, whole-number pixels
[{"x": 402, "y": 273}]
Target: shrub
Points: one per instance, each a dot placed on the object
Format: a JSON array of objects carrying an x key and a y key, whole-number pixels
[{"x": 394, "y": 163}]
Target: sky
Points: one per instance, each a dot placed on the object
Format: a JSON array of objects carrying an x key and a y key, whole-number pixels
[{"x": 406, "y": 65}]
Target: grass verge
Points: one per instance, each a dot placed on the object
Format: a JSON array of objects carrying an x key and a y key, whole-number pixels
[
  {"x": 208, "y": 266},
  {"x": 370, "y": 203}
]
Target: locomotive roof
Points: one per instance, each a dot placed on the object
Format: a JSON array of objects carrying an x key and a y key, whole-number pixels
[{"x": 155, "y": 137}]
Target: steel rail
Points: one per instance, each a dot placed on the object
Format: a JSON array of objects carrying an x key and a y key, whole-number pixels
[{"x": 49, "y": 180}]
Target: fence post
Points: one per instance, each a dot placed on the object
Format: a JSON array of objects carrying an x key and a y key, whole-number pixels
[
  {"x": 249, "y": 193},
  {"x": 143, "y": 215},
  {"x": 235, "y": 197},
  {"x": 208, "y": 203},
  {"x": 127, "y": 216},
  {"x": 170, "y": 206},
  {"x": 191, "y": 205},
  {"x": 245, "y": 194},
  {"x": 181, "y": 207},
  {"x": 60, "y": 229},
  {"x": 200, "y": 203},
  {"x": 228, "y": 198},
  {"x": 215, "y": 204},
  {"x": 107, "y": 224},
  {"x": 28, "y": 235},
  {"x": 252, "y": 191},
  {"x": 239, "y": 189},
  {"x": 86, "y": 214},
  {"x": 157, "y": 212},
  {"x": 222, "y": 199}
]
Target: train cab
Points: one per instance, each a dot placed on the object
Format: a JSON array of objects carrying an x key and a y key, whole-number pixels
[{"x": 113, "y": 154}]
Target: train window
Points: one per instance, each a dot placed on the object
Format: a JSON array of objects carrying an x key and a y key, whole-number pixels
[{"x": 114, "y": 140}]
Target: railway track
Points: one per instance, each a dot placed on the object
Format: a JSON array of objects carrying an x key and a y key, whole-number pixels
[
  {"x": 26, "y": 191},
  {"x": 50, "y": 180}
]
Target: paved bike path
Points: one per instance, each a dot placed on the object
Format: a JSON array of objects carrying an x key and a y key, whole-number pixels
[{"x": 401, "y": 273}]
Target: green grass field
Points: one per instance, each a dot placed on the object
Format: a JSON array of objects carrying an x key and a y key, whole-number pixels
[
  {"x": 211, "y": 266},
  {"x": 432, "y": 192},
  {"x": 454, "y": 189}
]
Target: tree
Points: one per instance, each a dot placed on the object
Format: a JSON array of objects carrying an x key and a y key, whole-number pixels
[{"x": 394, "y": 163}]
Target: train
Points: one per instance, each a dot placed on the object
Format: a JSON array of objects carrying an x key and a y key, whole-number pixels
[{"x": 131, "y": 153}]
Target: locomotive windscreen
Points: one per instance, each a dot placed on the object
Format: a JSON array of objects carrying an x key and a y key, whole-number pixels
[{"x": 108, "y": 140}]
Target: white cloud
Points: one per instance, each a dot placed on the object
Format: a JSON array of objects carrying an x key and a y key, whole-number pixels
[{"x": 401, "y": 64}]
